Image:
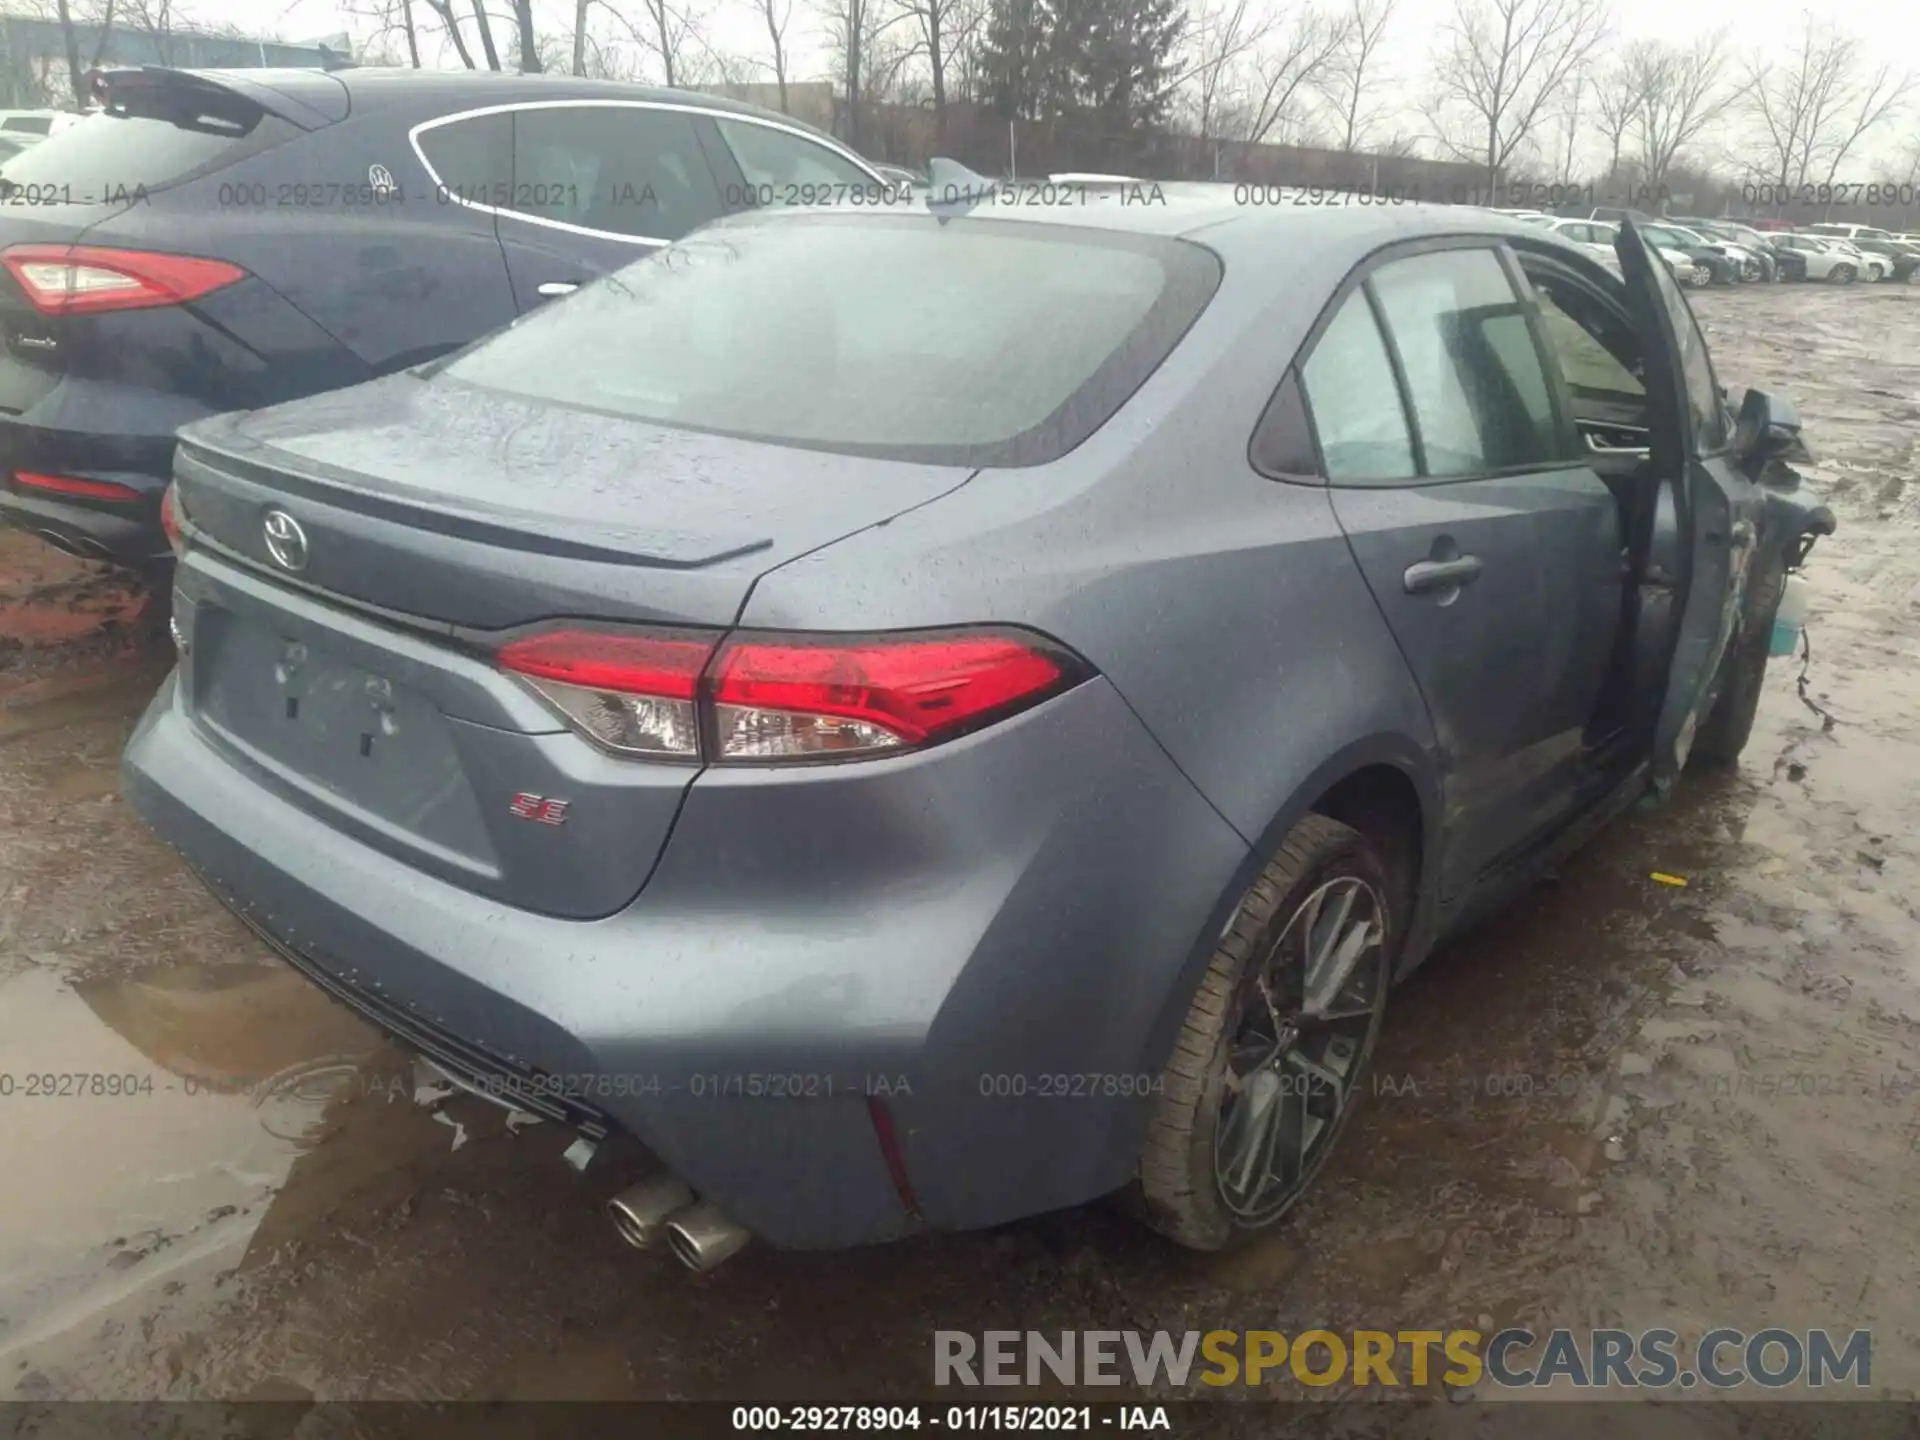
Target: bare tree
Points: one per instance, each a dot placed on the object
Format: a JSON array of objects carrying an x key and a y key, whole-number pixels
[
  {"x": 451, "y": 23},
  {"x": 1501, "y": 67},
  {"x": 1286, "y": 67},
  {"x": 853, "y": 31},
  {"x": 529, "y": 46},
  {"x": 70, "y": 21},
  {"x": 777, "y": 15},
  {"x": 1677, "y": 94},
  {"x": 387, "y": 18},
  {"x": 942, "y": 28},
  {"x": 155, "y": 19},
  {"x": 412, "y": 32},
  {"x": 1224, "y": 33},
  {"x": 580, "y": 8},
  {"x": 1813, "y": 109},
  {"x": 487, "y": 47},
  {"x": 671, "y": 32},
  {"x": 1570, "y": 111},
  {"x": 1873, "y": 100},
  {"x": 1614, "y": 107},
  {"x": 1351, "y": 79}
]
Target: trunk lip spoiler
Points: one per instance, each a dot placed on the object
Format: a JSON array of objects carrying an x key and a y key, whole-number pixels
[{"x": 344, "y": 489}]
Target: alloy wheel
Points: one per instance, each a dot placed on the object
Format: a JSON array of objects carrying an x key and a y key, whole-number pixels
[{"x": 1307, "y": 1023}]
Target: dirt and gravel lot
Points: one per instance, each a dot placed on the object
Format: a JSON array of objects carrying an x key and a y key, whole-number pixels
[{"x": 1622, "y": 1102}]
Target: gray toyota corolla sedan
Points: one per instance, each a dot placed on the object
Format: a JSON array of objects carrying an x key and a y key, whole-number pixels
[{"x": 922, "y": 718}]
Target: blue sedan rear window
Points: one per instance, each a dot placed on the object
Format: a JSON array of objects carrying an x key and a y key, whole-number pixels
[{"x": 968, "y": 341}]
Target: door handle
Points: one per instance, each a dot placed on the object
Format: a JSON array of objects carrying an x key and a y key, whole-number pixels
[
  {"x": 553, "y": 289},
  {"x": 1431, "y": 575}
]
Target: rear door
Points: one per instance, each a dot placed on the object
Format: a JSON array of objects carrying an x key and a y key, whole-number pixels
[
  {"x": 597, "y": 185},
  {"x": 1491, "y": 547},
  {"x": 1719, "y": 508}
]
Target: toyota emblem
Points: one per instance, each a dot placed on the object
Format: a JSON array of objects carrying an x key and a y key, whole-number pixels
[{"x": 286, "y": 541}]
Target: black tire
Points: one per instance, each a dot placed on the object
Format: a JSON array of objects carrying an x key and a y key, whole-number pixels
[
  {"x": 1841, "y": 275},
  {"x": 1179, "y": 1190},
  {"x": 1729, "y": 725}
]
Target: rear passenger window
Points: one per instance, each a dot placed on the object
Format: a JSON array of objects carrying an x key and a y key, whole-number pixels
[
  {"x": 776, "y": 160},
  {"x": 1474, "y": 376},
  {"x": 472, "y": 158},
  {"x": 614, "y": 168},
  {"x": 1354, "y": 402}
]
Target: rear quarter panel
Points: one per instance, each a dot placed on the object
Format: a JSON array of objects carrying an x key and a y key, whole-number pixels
[
  {"x": 391, "y": 284},
  {"x": 1225, "y": 607}
]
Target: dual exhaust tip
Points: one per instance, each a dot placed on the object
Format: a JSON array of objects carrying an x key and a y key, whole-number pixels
[
  {"x": 83, "y": 547},
  {"x": 697, "y": 1233}
]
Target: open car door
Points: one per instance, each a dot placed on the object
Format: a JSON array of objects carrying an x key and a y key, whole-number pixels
[{"x": 1718, "y": 507}]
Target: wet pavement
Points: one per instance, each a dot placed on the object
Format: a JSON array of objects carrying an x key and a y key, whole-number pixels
[{"x": 1623, "y": 1102}]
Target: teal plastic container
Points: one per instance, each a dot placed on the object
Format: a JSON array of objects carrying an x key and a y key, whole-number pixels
[{"x": 1791, "y": 618}]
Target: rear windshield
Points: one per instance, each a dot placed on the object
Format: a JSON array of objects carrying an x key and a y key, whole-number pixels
[
  {"x": 964, "y": 341},
  {"x": 148, "y": 139}
]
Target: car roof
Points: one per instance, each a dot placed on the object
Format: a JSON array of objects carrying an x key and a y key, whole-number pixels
[
  {"x": 1255, "y": 239},
  {"x": 381, "y": 87}
]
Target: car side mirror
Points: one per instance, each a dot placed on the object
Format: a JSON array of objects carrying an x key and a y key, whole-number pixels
[{"x": 1768, "y": 430}]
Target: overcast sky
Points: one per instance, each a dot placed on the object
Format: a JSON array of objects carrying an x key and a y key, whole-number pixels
[{"x": 734, "y": 27}]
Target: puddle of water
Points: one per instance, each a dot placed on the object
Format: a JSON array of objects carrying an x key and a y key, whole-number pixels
[{"x": 223, "y": 1076}]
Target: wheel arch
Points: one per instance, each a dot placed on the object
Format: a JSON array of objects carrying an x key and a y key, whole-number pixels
[{"x": 1386, "y": 786}]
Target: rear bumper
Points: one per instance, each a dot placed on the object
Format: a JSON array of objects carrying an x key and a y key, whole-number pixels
[
  {"x": 124, "y": 533},
  {"x": 995, "y": 939}
]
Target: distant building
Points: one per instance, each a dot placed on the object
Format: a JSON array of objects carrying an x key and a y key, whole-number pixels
[{"x": 33, "y": 55}]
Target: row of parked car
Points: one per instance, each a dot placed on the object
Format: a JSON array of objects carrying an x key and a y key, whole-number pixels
[{"x": 1704, "y": 252}]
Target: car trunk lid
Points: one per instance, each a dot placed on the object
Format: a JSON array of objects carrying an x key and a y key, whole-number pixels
[
  {"x": 457, "y": 505},
  {"x": 436, "y": 522}
]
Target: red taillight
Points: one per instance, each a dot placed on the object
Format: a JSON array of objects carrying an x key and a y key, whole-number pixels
[
  {"x": 90, "y": 279},
  {"x": 170, "y": 517},
  {"x": 769, "y": 697},
  {"x": 633, "y": 692},
  {"x": 74, "y": 485},
  {"x": 782, "y": 698}
]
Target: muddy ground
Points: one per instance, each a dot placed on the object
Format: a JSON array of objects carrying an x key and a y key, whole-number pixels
[{"x": 1704, "y": 1105}]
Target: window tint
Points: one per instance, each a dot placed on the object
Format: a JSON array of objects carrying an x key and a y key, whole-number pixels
[
  {"x": 1354, "y": 402},
  {"x": 1595, "y": 350},
  {"x": 1478, "y": 387},
  {"x": 976, "y": 342},
  {"x": 769, "y": 157},
  {"x": 1283, "y": 441},
  {"x": 32, "y": 124},
  {"x": 473, "y": 158},
  {"x": 617, "y": 168}
]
